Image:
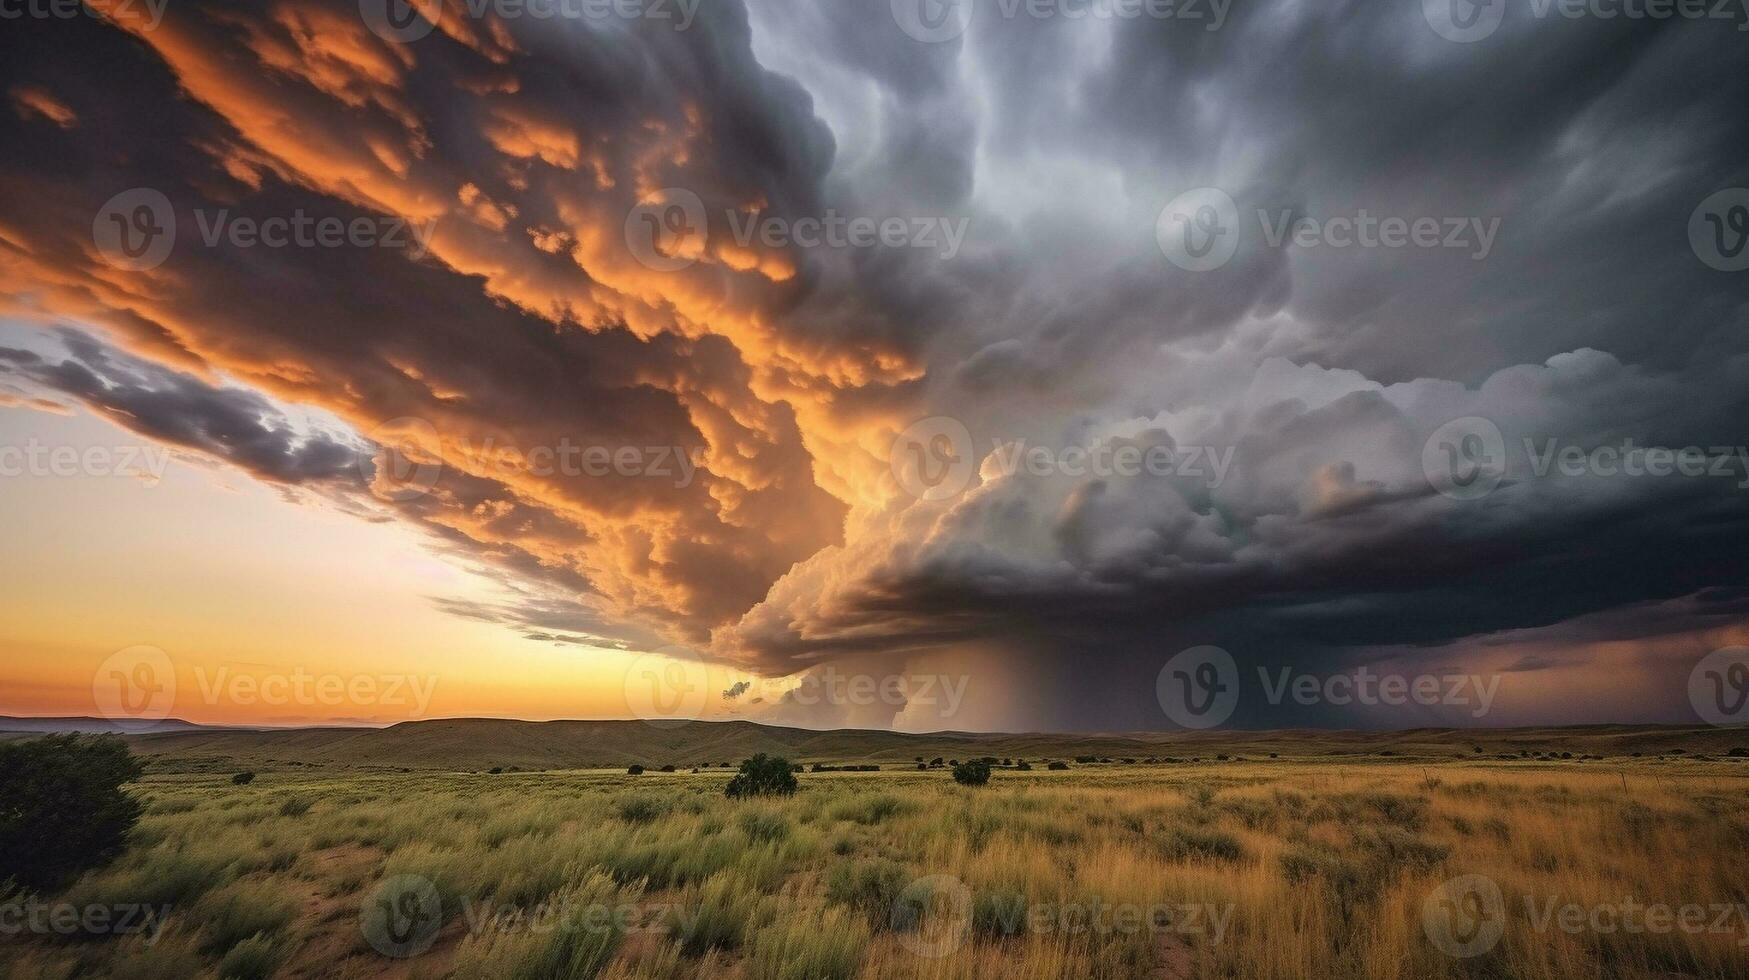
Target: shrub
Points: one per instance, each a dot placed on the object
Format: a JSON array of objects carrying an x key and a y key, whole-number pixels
[
  {"x": 244, "y": 910},
  {"x": 634, "y": 770},
  {"x": 763, "y": 825},
  {"x": 869, "y": 887},
  {"x": 568, "y": 946},
  {"x": 1057, "y": 766},
  {"x": 295, "y": 806},
  {"x": 1188, "y": 842},
  {"x": 242, "y": 779},
  {"x": 667, "y": 769},
  {"x": 720, "y": 917},
  {"x": 762, "y": 775},
  {"x": 641, "y": 809},
  {"x": 1396, "y": 846},
  {"x": 827, "y": 948},
  {"x": 973, "y": 773},
  {"x": 64, "y": 809}
]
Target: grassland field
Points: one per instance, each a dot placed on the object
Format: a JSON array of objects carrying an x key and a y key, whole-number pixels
[{"x": 1254, "y": 868}]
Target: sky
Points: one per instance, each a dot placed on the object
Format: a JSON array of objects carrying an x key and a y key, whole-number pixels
[{"x": 974, "y": 365}]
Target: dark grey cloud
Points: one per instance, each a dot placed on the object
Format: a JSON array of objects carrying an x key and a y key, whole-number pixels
[
  {"x": 1319, "y": 372},
  {"x": 234, "y": 425}
]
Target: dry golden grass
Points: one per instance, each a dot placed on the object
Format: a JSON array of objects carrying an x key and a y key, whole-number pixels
[{"x": 1266, "y": 869}]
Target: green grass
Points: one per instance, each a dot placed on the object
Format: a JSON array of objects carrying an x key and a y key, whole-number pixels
[{"x": 1324, "y": 867}]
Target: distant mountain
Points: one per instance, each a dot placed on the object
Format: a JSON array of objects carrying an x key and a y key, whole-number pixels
[
  {"x": 478, "y": 744},
  {"x": 96, "y": 726}
]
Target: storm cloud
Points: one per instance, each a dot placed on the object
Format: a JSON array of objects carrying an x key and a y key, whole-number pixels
[{"x": 1142, "y": 456}]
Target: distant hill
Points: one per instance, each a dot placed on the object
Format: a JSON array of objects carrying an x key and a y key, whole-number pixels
[
  {"x": 478, "y": 744},
  {"x": 95, "y": 726}
]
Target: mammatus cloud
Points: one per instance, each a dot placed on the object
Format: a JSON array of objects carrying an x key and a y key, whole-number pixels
[{"x": 575, "y": 276}]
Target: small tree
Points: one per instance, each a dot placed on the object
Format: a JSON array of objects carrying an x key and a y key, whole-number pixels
[
  {"x": 763, "y": 775},
  {"x": 975, "y": 772},
  {"x": 63, "y": 809}
]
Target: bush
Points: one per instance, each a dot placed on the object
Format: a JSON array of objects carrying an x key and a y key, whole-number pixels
[
  {"x": 720, "y": 918},
  {"x": 242, "y": 779},
  {"x": 641, "y": 809},
  {"x": 973, "y": 773},
  {"x": 634, "y": 770},
  {"x": 242, "y": 911},
  {"x": 1184, "y": 843},
  {"x": 870, "y": 887},
  {"x": 762, "y": 825},
  {"x": 570, "y": 946},
  {"x": 762, "y": 775},
  {"x": 1057, "y": 766},
  {"x": 827, "y": 948},
  {"x": 1395, "y": 846},
  {"x": 64, "y": 809}
]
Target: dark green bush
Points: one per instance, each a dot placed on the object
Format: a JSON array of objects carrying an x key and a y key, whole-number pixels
[
  {"x": 973, "y": 773},
  {"x": 62, "y": 806},
  {"x": 242, "y": 779},
  {"x": 762, "y": 775}
]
